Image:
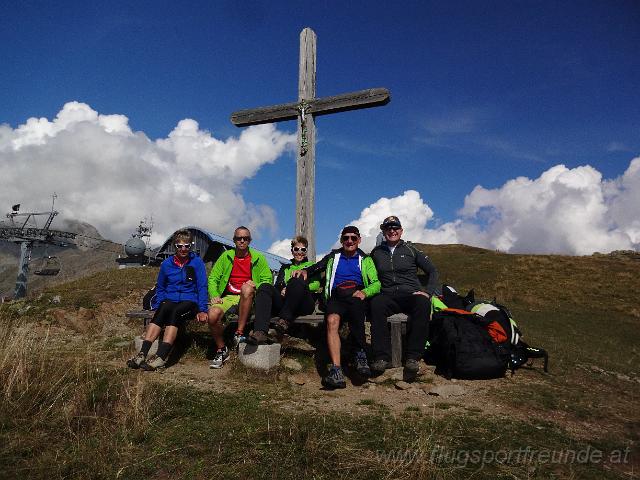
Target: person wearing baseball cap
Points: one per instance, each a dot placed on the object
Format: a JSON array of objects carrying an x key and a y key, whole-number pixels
[
  {"x": 350, "y": 279},
  {"x": 396, "y": 262}
]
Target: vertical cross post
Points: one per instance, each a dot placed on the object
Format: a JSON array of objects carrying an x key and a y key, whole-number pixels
[{"x": 306, "y": 167}]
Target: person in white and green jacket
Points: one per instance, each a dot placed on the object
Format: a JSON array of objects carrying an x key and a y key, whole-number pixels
[{"x": 289, "y": 298}]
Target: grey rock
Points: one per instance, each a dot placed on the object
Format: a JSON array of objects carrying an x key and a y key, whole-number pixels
[
  {"x": 448, "y": 391},
  {"x": 56, "y": 299},
  {"x": 291, "y": 364},
  {"x": 298, "y": 344},
  {"x": 402, "y": 385},
  {"x": 260, "y": 357}
]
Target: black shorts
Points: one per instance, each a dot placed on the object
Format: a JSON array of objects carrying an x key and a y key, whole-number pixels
[
  {"x": 346, "y": 307},
  {"x": 175, "y": 314}
]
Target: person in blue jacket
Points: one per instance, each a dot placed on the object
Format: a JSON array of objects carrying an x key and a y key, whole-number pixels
[{"x": 181, "y": 294}]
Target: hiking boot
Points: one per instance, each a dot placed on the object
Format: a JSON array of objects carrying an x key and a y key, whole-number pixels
[
  {"x": 361, "y": 364},
  {"x": 238, "y": 338},
  {"x": 281, "y": 326},
  {"x": 411, "y": 368},
  {"x": 335, "y": 378},
  {"x": 258, "y": 338},
  {"x": 379, "y": 366},
  {"x": 153, "y": 363},
  {"x": 221, "y": 356},
  {"x": 136, "y": 361}
]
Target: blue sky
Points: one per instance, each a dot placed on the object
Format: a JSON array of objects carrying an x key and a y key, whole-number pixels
[{"x": 482, "y": 92}]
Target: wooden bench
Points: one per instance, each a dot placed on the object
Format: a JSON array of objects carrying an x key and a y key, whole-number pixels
[{"x": 397, "y": 326}]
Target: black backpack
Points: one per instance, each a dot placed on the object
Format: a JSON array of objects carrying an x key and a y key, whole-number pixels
[
  {"x": 148, "y": 298},
  {"x": 477, "y": 345},
  {"x": 461, "y": 347}
]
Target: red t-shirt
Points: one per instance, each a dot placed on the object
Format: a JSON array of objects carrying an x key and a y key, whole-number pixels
[{"x": 240, "y": 273}]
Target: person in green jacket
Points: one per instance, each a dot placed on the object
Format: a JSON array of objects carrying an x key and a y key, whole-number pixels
[
  {"x": 233, "y": 281},
  {"x": 351, "y": 278},
  {"x": 288, "y": 298}
]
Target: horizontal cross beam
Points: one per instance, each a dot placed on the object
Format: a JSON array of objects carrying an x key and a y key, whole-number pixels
[{"x": 372, "y": 97}]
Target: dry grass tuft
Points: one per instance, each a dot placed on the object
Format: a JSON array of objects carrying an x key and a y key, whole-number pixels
[{"x": 58, "y": 411}]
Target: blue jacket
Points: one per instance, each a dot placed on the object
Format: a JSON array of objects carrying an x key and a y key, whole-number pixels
[{"x": 174, "y": 286}]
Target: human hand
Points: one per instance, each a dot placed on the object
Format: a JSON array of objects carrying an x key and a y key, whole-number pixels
[
  {"x": 250, "y": 283},
  {"x": 202, "y": 317},
  {"x": 215, "y": 300},
  {"x": 359, "y": 294},
  {"x": 299, "y": 273},
  {"x": 283, "y": 291}
]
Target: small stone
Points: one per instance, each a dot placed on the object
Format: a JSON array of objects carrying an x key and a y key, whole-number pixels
[
  {"x": 402, "y": 385},
  {"x": 448, "y": 390},
  {"x": 379, "y": 378},
  {"x": 298, "y": 344},
  {"x": 297, "y": 379},
  {"x": 369, "y": 386},
  {"x": 56, "y": 299},
  {"x": 291, "y": 364}
]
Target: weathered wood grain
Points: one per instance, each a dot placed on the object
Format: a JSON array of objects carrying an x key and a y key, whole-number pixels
[
  {"x": 306, "y": 165},
  {"x": 372, "y": 97}
]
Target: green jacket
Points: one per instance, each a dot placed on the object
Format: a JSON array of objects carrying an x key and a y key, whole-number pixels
[
  {"x": 285, "y": 274},
  {"x": 221, "y": 271},
  {"x": 367, "y": 267}
]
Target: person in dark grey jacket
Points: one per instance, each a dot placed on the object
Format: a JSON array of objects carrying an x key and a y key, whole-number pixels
[{"x": 396, "y": 262}]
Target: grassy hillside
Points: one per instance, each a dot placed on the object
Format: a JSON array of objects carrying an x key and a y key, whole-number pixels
[{"x": 69, "y": 409}]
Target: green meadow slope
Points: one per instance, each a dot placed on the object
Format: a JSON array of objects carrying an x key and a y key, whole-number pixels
[{"x": 69, "y": 409}]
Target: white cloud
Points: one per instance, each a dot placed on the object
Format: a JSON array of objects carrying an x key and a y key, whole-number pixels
[
  {"x": 571, "y": 211},
  {"x": 281, "y": 247},
  {"x": 109, "y": 176}
]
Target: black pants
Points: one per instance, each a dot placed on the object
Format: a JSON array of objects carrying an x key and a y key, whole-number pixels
[
  {"x": 417, "y": 307},
  {"x": 353, "y": 311},
  {"x": 298, "y": 300},
  {"x": 174, "y": 314}
]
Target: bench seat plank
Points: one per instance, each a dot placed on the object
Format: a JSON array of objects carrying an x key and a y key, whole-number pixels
[{"x": 396, "y": 323}]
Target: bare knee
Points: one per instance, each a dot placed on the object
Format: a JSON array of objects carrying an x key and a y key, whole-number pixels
[
  {"x": 215, "y": 315},
  {"x": 247, "y": 291},
  {"x": 333, "y": 322}
]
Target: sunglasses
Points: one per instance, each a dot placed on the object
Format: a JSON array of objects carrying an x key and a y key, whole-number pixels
[
  {"x": 241, "y": 239},
  {"x": 182, "y": 245},
  {"x": 299, "y": 249},
  {"x": 346, "y": 238},
  {"x": 394, "y": 228}
]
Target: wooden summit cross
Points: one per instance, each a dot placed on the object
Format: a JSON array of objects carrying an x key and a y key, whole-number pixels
[{"x": 304, "y": 110}]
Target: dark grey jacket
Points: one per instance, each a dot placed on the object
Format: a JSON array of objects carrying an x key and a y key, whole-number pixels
[{"x": 398, "y": 273}]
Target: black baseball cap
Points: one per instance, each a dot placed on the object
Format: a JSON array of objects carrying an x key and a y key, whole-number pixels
[
  {"x": 391, "y": 221},
  {"x": 350, "y": 229}
]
